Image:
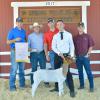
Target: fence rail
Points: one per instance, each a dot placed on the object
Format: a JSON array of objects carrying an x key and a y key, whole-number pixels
[{"x": 73, "y": 70}]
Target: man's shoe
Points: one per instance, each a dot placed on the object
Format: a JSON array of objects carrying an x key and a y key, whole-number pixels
[
  {"x": 54, "y": 90},
  {"x": 22, "y": 88},
  {"x": 81, "y": 87},
  {"x": 91, "y": 89},
  {"x": 72, "y": 94},
  {"x": 12, "y": 89}
]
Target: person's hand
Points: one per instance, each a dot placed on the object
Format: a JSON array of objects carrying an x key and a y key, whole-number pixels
[
  {"x": 47, "y": 58},
  {"x": 17, "y": 39},
  {"x": 62, "y": 56},
  {"x": 87, "y": 55},
  {"x": 29, "y": 49}
]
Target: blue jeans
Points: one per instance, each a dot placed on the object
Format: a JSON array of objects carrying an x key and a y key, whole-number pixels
[
  {"x": 84, "y": 61},
  {"x": 34, "y": 59},
  {"x": 51, "y": 55},
  {"x": 13, "y": 71}
]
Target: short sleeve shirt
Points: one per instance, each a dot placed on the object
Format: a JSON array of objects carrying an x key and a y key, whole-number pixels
[
  {"x": 48, "y": 36},
  {"x": 16, "y": 33}
]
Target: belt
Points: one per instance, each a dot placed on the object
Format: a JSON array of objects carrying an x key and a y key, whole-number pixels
[
  {"x": 13, "y": 49},
  {"x": 66, "y": 54},
  {"x": 38, "y": 52},
  {"x": 81, "y": 55}
]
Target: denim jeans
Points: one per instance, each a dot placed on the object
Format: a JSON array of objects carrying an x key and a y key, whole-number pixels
[
  {"x": 51, "y": 55},
  {"x": 13, "y": 71},
  {"x": 34, "y": 59},
  {"x": 84, "y": 61}
]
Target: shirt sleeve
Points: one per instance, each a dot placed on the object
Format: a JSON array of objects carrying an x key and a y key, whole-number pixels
[
  {"x": 71, "y": 46},
  {"x": 45, "y": 38},
  {"x": 54, "y": 45},
  {"x": 91, "y": 41},
  {"x": 10, "y": 35},
  {"x": 29, "y": 42}
]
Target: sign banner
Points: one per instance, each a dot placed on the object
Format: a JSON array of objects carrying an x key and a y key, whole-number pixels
[
  {"x": 21, "y": 52},
  {"x": 68, "y": 14}
]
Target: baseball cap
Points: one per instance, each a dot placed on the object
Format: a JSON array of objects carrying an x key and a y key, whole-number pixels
[
  {"x": 19, "y": 19},
  {"x": 50, "y": 20},
  {"x": 81, "y": 24}
]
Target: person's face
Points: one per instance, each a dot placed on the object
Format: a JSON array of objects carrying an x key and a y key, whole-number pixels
[
  {"x": 51, "y": 24},
  {"x": 60, "y": 25},
  {"x": 19, "y": 24},
  {"x": 80, "y": 29},
  {"x": 36, "y": 29}
]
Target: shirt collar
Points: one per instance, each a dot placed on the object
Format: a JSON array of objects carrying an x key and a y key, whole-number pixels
[
  {"x": 82, "y": 34},
  {"x": 18, "y": 28},
  {"x": 62, "y": 31}
]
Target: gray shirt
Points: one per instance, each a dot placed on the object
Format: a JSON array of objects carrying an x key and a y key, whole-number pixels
[{"x": 35, "y": 42}]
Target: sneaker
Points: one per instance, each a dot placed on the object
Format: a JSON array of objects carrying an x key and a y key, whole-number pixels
[
  {"x": 54, "y": 90},
  {"x": 72, "y": 94},
  {"x": 91, "y": 89}
]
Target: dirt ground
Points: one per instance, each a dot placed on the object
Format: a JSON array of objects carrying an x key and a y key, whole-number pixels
[{"x": 43, "y": 93}]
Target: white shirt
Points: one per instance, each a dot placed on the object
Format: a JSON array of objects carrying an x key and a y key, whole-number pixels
[{"x": 63, "y": 46}]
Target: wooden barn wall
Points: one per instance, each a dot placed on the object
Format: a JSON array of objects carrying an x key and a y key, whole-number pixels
[{"x": 6, "y": 23}]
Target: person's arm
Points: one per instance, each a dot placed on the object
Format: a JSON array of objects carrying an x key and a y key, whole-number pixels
[
  {"x": 13, "y": 40},
  {"x": 46, "y": 47},
  {"x": 89, "y": 50},
  {"x": 25, "y": 37},
  {"x": 54, "y": 45},
  {"x": 54, "y": 48},
  {"x": 90, "y": 44},
  {"x": 46, "y": 51},
  {"x": 10, "y": 38},
  {"x": 71, "y": 46},
  {"x": 29, "y": 44}
]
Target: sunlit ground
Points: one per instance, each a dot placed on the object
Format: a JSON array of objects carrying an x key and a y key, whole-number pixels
[{"x": 43, "y": 92}]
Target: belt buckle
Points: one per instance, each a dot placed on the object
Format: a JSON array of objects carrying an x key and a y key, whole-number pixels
[
  {"x": 38, "y": 52},
  {"x": 65, "y": 55}
]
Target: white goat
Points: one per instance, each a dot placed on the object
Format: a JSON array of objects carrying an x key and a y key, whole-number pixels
[{"x": 48, "y": 76}]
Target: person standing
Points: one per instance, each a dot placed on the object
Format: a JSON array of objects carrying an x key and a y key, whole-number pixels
[
  {"x": 63, "y": 46},
  {"x": 83, "y": 46},
  {"x": 17, "y": 34},
  {"x": 48, "y": 36},
  {"x": 36, "y": 47}
]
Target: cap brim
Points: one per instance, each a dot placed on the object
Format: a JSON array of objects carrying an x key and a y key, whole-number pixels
[
  {"x": 51, "y": 21},
  {"x": 19, "y": 21}
]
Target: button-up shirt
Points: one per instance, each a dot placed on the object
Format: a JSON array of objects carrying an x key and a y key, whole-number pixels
[
  {"x": 35, "y": 41},
  {"x": 82, "y": 44},
  {"x": 65, "y": 45}
]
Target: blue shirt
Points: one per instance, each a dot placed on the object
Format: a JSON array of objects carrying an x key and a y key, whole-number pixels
[
  {"x": 35, "y": 41},
  {"x": 16, "y": 33}
]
